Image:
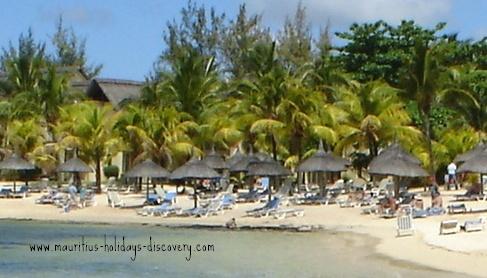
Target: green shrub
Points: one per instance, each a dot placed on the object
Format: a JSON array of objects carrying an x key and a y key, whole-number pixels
[{"x": 111, "y": 171}]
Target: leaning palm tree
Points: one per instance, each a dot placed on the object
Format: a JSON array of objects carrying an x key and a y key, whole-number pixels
[
  {"x": 376, "y": 117},
  {"x": 89, "y": 126}
]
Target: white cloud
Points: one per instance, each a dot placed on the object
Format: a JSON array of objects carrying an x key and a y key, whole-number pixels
[
  {"x": 342, "y": 13},
  {"x": 78, "y": 15}
]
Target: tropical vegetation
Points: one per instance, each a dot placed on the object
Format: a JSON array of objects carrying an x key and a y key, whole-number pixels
[{"x": 230, "y": 82}]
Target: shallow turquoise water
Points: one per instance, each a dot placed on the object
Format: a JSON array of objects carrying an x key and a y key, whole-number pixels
[{"x": 236, "y": 253}]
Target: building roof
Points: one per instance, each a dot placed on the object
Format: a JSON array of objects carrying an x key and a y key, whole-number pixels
[{"x": 114, "y": 90}]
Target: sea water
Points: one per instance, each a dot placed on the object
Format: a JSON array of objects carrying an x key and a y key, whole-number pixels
[{"x": 123, "y": 251}]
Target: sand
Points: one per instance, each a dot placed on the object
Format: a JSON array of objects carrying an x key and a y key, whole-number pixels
[{"x": 462, "y": 252}]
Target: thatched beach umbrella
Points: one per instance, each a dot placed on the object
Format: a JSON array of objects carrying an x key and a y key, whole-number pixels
[
  {"x": 269, "y": 168},
  {"x": 481, "y": 147},
  {"x": 16, "y": 163},
  {"x": 396, "y": 162},
  {"x": 243, "y": 164},
  {"x": 74, "y": 166},
  {"x": 476, "y": 164},
  {"x": 323, "y": 162},
  {"x": 263, "y": 156},
  {"x": 194, "y": 169},
  {"x": 392, "y": 151},
  {"x": 235, "y": 157},
  {"x": 147, "y": 169},
  {"x": 215, "y": 160}
]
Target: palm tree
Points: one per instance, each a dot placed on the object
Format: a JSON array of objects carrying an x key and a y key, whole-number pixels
[
  {"x": 191, "y": 85},
  {"x": 162, "y": 135},
  {"x": 422, "y": 83},
  {"x": 467, "y": 95},
  {"x": 375, "y": 117},
  {"x": 89, "y": 126}
]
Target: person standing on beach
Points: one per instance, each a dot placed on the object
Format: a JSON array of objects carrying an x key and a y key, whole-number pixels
[{"x": 452, "y": 170}]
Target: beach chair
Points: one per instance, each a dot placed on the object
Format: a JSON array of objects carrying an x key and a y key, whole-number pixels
[
  {"x": 359, "y": 184},
  {"x": 21, "y": 193},
  {"x": 228, "y": 201},
  {"x": 87, "y": 198},
  {"x": 252, "y": 196},
  {"x": 338, "y": 187},
  {"x": 164, "y": 210},
  {"x": 114, "y": 200},
  {"x": 405, "y": 225},
  {"x": 449, "y": 227},
  {"x": 474, "y": 225},
  {"x": 213, "y": 208},
  {"x": 383, "y": 188},
  {"x": 266, "y": 210},
  {"x": 457, "y": 208},
  {"x": 282, "y": 213}
]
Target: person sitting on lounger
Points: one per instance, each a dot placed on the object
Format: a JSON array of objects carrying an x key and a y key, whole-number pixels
[
  {"x": 473, "y": 190},
  {"x": 388, "y": 203},
  {"x": 436, "y": 200}
]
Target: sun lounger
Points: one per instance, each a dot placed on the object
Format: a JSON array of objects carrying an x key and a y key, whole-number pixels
[
  {"x": 388, "y": 213},
  {"x": 316, "y": 199},
  {"x": 383, "y": 188},
  {"x": 286, "y": 212},
  {"x": 405, "y": 225},
  {"x": 164, "y": 210},
  {"x": 269, "y": 207},
  {"x": 466, "y": 198},
  {"x": 474, "y": 225},
  {"x": 374, "y": 209},
  {"x": 114, "y": 199},
  {"x": 449, "y": 227},
  {"x": 213, "y": 208},
  {"x": 457, "y": 208},
  {"x": 359, "y": 184},
  {"x": 5, "y": 192},
  {"x": 252, "y": 196},
  {"x": 433, "y": 211},
  {"x": 87, "y": 198}
]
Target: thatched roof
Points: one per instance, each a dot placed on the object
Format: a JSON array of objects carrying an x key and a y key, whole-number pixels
[
  {"x": 471, "y": 153},
  {"x": 267, "y": 168},
  {"x": 147, "y": 169},
  {"x": 114, "y": 90},
  {"x": 15, "y": 162},
  {"x": 393, "y": 150},
  {"x": 243, "y": 164},
  {"x": 194, "y": 169},
  {"x": 235, "y": 157},
  {"x": 74, "y": 165},
  {"x": 264, "y": 156},
  {"x": 215, "y": 160},
  {"x": 322, "y": 161},
  {"x": 396, "y": 162},
  {"x": 476, "y": 164}
]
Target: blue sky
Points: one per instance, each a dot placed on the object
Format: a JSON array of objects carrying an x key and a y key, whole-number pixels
[{"x": 126, "y": 35}]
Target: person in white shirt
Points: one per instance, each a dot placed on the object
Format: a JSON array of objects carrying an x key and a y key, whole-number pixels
[{"x": 452, "y": 171}]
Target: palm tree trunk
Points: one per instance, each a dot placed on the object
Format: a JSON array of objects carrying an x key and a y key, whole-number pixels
[
  {"x": 274, "y": 147},
  {"x": 98, "y": 175},
  {"x": 429, "y": 145}
]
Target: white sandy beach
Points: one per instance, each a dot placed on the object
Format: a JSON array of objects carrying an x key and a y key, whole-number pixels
[{"x": 462, "y": 252}]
